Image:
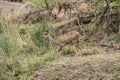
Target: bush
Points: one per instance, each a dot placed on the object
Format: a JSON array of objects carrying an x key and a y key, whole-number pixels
[
  {"x": 69, "y": 50},
  {"x": 36, "y": 35},
  {"x": 15, "y": 63},
  {"x": 48, "y": 57},
  {"x": 10, "y": 42}
]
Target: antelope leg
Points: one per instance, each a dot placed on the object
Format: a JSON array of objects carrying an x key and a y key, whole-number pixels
[
  {"x": 60, "y": 48},
  {"x": 78, "y": 46}
]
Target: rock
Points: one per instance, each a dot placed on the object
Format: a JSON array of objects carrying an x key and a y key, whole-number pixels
[
  {"x": 14, "y": 0},
  {"x": 19, "y": 12}
]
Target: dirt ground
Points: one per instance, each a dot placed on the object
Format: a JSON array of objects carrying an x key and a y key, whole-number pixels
[{"x": 102, "y": 66}]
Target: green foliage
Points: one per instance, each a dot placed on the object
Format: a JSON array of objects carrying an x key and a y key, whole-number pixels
[
  {"x": 36, "y": 35},
  {"x": 48, "y": 57},
  {"x": 16, "y": 62},
  {"x": 69, "y": 50},
  {"x": 13, "y": 69},
  {"x": 115, "y": 3},
  {"x": 36, "y": 3},
  {"x": 10, "y": 41},
  {"x": 41, "y": 3},
  {"x": 8, "y": 68},
  {"x": 116, "y": 75}
]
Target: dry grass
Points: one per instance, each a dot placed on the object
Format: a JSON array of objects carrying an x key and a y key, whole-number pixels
[
  {"x": 24, "y": 51},
  {"x": 99, "y": 66}
]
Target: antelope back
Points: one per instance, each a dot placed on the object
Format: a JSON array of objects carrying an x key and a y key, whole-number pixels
[{"x": 68, "y": 37}]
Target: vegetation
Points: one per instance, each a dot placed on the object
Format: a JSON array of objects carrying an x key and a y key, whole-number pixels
[
  {"x": 41, "y": 3},
  {"x": 23, "y": 48}
]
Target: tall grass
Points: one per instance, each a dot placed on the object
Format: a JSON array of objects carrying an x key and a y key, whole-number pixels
[
  {"x": 36, "y": 35},
  {"x": 10, "y": 41},
  {"x": 18, "y": 52}
]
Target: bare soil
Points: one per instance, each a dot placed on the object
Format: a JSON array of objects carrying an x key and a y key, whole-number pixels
[{"x": 103, "y": 66}]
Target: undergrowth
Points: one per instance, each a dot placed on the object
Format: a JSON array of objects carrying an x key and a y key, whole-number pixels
[
  {"x": 21, "y": 49},
  {"x": 41, "y": 3}
]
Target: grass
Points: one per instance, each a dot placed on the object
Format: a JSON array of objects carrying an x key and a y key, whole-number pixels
[
  {"x": 41, "y": 3},
  {"x": 21, "y": 49},
  {"x": 69, "y": 51}
]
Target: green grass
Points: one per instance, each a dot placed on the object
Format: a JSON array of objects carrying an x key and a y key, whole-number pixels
[
  {"x": 41, "y": 3},
  {"x": 21, "y": 49},
  {"x": 36, "y": 36},
  {"x": 69, "y": 51}
]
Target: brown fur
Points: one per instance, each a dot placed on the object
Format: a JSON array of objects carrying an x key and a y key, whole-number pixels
[
  {"x": 66, "y": 4},
  {"x": 64, "y": 39}
]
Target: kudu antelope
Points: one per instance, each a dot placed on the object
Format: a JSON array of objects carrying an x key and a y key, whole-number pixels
[
  {"x": 64, "y": 39},
  {"x": 66, "y": 5}
]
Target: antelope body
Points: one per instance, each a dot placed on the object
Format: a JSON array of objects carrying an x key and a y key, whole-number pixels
[
  {"x": 64, "y": 39},
  {"x": 66, "y": 4}
]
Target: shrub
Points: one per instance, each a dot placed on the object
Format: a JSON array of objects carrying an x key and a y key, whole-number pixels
[
  {"x": 48, "y": 57},
  {"x": 36, "y": 35},
  {"x": 69, "y": 50},
  {"x": 10, "y": 42}
]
